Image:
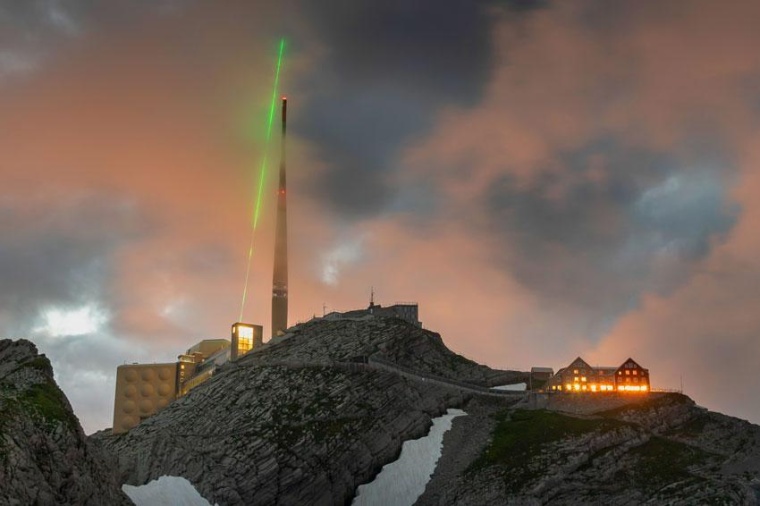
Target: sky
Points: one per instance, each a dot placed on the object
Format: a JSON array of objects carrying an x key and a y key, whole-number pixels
[{"x": 546, "y": 179}]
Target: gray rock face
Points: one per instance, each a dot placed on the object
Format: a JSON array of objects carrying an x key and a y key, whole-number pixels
[
  {"x": 301, "y": 421},
  {"x": 661, "y": 451},
  {"x": 45, "y": 458},
  {"x": 390, "y": 339}
]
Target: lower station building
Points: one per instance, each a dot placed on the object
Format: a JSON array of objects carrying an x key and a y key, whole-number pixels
[
  {"x": 579, "y": 376},
  {"x": 143, "y": 389}
]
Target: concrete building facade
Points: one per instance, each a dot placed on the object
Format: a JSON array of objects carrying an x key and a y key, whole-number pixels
[
  {"x": 144, "y": 389},
  {"x": 141, "y": 390}
]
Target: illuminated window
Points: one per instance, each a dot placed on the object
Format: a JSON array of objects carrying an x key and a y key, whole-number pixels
[
  {"x": 569, "y": 386},
  {"x": 635, "y": 372},
  {"x": 577, "y": 386},
  {"x": 244, "y": 338},
  {"x": 575, "y": 379},
  {"x": 583, "y": 378},
  {"x": 575, "y": 371},
  {"x": 627, "y": 373},
  {"x": 244, "y": 344}
]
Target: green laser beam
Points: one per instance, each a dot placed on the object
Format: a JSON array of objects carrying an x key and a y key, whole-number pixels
[
  {"x": 272, "y": 105},
  {"x": 262, "y": 173}
]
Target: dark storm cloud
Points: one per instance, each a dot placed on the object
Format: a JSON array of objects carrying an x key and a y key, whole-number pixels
[
  {"x": 389, "y": 67},
  {"x": 441, "y": 47},
  {"x": 59, "y": 259},
  {"x": 613, "y": 223}
]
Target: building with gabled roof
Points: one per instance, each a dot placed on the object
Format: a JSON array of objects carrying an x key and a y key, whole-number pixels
[{"x": 579, "y": 376}]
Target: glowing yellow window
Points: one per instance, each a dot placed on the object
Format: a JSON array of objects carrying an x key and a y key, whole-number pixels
[
  {"x": 583, "y": 378},
  {"x": 577, "y": 386}
]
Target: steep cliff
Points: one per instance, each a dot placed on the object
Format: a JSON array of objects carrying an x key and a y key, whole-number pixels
[
  {"x": 662, "y": 450},
  {"x": 45, "y": 458},
  {"x": 304, "y": 420}
]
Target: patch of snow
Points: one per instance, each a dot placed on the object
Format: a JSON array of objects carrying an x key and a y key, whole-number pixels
[
  {"x": 402, "y": 482},
  {"x": 516, "y": 387},
  {"x": 165, "y": 491}
]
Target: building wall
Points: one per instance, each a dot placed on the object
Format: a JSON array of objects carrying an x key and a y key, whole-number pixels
[
  {"x": 631, "y": 377},
  {"x": 208, "y": 347},
  {"x": 408, "y": 312},
  {"x": 195, "y": 381},
  {"x": 541, "y": 373},
  {"x": 142, "y": 390}
]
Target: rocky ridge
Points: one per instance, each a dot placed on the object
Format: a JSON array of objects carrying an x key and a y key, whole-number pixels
[
  {"x": 45, "y": 458},
  {"x": 304, "y": 420},
  {"x": 387, "y": 339},
  {"x": 662, "y": 449}
]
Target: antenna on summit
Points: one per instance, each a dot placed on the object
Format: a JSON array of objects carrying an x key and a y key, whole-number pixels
[{"x": 372, "y": 297}]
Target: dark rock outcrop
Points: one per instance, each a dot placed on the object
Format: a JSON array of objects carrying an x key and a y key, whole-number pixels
[
  {"x": 664, "y": 450},
  {"x": 45, "y": 458}
]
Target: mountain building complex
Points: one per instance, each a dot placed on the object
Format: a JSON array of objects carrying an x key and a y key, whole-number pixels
[{"x": 143, "y": 389}]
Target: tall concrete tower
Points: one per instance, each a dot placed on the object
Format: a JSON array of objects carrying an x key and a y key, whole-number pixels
[{"x": 280, "y": 278}]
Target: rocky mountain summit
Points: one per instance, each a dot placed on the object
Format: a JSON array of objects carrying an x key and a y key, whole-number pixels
[
  {"x": 383, "y": 339},
  {"x": 317, "y": 412},
  {"x": 305, "y": 419},
  {"x": 45, "y": 458}
]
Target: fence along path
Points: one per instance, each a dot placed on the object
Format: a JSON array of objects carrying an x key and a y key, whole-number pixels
[{"x": 374, "y": 363}]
